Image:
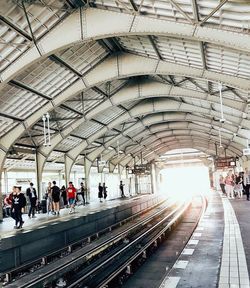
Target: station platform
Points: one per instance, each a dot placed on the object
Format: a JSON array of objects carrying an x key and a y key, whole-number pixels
[
  {"x": 216, "y": 255},
  {"x": 47, "y": 233}
]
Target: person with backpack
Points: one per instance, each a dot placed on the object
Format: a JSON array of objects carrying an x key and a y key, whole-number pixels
[
  {"x": 31, "y": 193},
  {"x": 55, "y": 198},
  {"x": 18, "y": 204}
]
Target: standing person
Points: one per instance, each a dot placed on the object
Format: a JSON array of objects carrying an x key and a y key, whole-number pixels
[
  {"x": 247, "y": 182},
  {"x": 71, "y": 193},
  {"x": 238, "y": 185},
  {"x": 49, "y": 198},
  {"x": 222, "y": 184},
  {"x": 105, "y": 191},
  {"x": 100, "y": 191},
  {"x": 229, "y": 181},
  {"x": 31, "y": 193},
  {"x": 122, "y": 189},
  {"x": 82, "y": 190},
  {"x": 8, "y": 202},
  {"x": 55, "y": 192},
  {"x": 18, "y": 204},
  {"x": 64, "y": 196}
]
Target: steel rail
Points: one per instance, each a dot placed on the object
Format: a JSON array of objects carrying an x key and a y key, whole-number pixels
[
  {"x": 63, "y": 268},
  {"x": 132, "y": 243},
  {"x": 43, "y": 259}
]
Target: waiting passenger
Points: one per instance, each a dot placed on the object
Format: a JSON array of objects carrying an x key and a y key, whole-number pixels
[
  {"x": 229, "y": 181},
  {"x": 64, "y": 196},
  {"x": 71, "y": 193},
  {"x": 8, "y": 203},
  {"x": 122, "y": 189},
  {"x": 56, "y": 198},
  {"x": 31, "y": 193},
  {"x": 105, "y": 191},
  {"x": 100, "y": 192},
  {"x": 238, "y": 185},
  {"x": 222, "y": 184},
  {"x": 18, "y": 204},
  {"x": 49, "y": 198},
  {"x": 247, "y": 182},
  {"x": 81, "y": 193}
]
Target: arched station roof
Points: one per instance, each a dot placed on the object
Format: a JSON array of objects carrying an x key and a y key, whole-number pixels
[{"x": 141, "y": 75}]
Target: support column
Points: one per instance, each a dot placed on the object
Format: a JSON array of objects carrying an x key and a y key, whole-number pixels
[
  {"x": 2, "y": 160},
  {"x": 120, "y": 168},
  {"x": 87, "y": 167},
  {"x": 157, "y": 178},
  {"x": 5, "y": 180},
  {"x": 153, "y": 180},
  {"x": 111, "y": 167},
  {"x": 68, "y": 163},
  {"x": 40, "y": 160}
]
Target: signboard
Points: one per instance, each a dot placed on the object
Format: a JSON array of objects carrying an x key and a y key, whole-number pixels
[
  {"x": 246, "y": 151},
  {"x": 142, "y": 169},
  {"x": 226, "y": 162}
]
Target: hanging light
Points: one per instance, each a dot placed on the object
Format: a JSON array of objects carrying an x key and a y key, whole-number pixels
[
  {"x": 222, "y": 119},
  {"x": 220, "y": 139},
  {"x": 44, "y": 118},
  {"x": 48, "y": 117},
  {"x": 44, "y": 130},
  {"x": 118, "y": 149}
]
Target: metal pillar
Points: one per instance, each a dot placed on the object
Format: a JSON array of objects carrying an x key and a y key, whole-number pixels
[
  {"x": 40, "y": 160},
  {"x": 5, "y": 180},
  {"x": 87, "y": 167},
  {"x": 111, "y": 167},
  {"x": 68, "y": 163},
  {"x": 153, "y": 180}
]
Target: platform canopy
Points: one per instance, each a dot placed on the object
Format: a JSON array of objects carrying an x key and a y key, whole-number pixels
[{"x": 122, "y": 78}]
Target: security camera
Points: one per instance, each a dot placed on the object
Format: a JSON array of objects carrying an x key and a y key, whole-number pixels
[{"x": 222, "y": 120}]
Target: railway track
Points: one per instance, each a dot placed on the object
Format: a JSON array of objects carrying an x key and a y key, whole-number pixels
[
  {"x": 119, "y": 261},
  {"x": 52, "y": 266},
  {"x": 110, "y": 257}
]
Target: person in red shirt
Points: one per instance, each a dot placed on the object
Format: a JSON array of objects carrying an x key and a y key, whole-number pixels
[{"x": 71, "y": 194}]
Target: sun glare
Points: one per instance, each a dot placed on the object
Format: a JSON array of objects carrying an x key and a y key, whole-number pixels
[{"x": 182, "y": 183}]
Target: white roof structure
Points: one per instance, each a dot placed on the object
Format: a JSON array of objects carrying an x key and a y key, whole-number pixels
[{"x": 138, "y": 76}]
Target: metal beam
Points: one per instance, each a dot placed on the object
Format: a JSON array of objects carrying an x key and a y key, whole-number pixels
[
  {"x": 195, "y": 11},
  {"x": 155, "y": 47},
  {"x": 222, "y": 2},
  {"x": 11, "y": 117},
  {"x": 72, "y": 110},
  {"x": 133, "y": 5},
  {"x": 17, "y": 29},
  {"x": 25, "y": 87},
  {"x": 179, "y": 9},
  {"x": 61, "y": 62}
]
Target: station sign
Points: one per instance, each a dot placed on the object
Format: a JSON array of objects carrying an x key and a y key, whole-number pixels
[
  {"x": 225, "y": 162},
  {"x": 246, "y": 151},
  {"x": 142, "y": 169}
]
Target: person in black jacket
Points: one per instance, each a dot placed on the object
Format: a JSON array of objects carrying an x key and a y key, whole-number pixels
[
  {"x": 18, "y": 204},
  {"x": 82, "y": 191},
  {"x": 105, "y": 191},
  {"x": 64, "y": 196},
  {"x": 100, "y": 191},
  {"x": 56, "y": 198},
  {"x": 122, "y": 189},
  {"x": 31, "y": 193}
]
